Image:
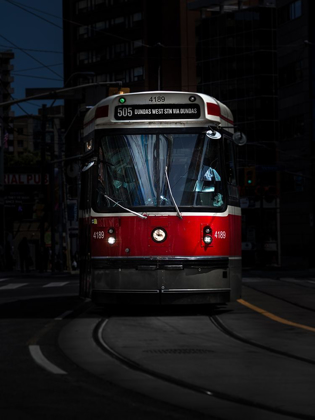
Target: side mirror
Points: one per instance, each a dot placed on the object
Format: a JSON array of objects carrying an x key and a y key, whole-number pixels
[
  {"x": 88, "y": 166},
  {"x": 213, "y": 134},
  {"x": 239, "y": 138}
]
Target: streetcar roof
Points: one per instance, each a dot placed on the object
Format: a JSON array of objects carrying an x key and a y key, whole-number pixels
[{"x": 166, "y": 109}]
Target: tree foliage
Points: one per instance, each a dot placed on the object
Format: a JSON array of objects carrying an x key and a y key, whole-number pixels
[{"x": 25, "y": 160}]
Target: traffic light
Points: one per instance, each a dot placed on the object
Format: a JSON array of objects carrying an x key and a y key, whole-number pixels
[{"x": 250, "y": 176}]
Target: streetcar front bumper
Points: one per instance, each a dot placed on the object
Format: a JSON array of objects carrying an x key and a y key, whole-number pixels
[{"x": 164, "y": 281}]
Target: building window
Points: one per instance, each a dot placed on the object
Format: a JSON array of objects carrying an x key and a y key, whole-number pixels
[
  {"x": 86, "y": 57},
  {"x": 291, "y": 73},
  {"x": 137, "y": 74},
  {"x": 295, "y": 9},
  {"x": 50, "y": 124},
  {"x": 119, "y": 50},
  {"x": 49, "y": 138},
  {"x": 117, "y": 21},
  {"x": 103, "y": 78},
  {"x": 121, "y": 76},
  {"x": 136, "y": 46},
  {"x": 82, "y": 32},
  {"x": 135, "y": 18},
  {"x": 290, "y": 11},
  {"x": 83, "y": 6},
  {"x": 91, "y": 30},
  {"x": 293, "y": 127},
  {"x": 82, "y": 57},
  {"x": 99, "y": 26}
]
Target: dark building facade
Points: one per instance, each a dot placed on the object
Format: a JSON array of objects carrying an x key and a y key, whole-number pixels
[
  {"x": 296, "y": 54},
  {"x": 237, "y": 64},
  {"x": 144, "y": 45},
  {"x": 135, "y": 44},
  {"x": 258, "y": 58}
]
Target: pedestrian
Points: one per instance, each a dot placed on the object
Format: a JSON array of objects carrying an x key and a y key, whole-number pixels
[{"x": 24, "y": 254}]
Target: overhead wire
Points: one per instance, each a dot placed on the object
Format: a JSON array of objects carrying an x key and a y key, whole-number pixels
[
  {"x": 32, "y": 49},
  {"x": 16, "y": 3},
  {"x": 20, "y": 6},
  {"x": 6, "y": 89},
  {"x": 24, "y": 7},
  {"x": 36, "y": 68},
  {"x": 35, "y": 77},
  {"x": 32, "y": 57}
]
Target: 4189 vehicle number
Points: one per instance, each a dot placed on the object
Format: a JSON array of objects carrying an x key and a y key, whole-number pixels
[
  {"x": 99, "y": 234},
  {"x": 220, "y": 234},
  {"x": 157, "y": 99}
]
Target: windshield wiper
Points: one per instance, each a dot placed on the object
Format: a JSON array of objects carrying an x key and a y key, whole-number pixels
[
  {"x": 125, "y": 208},
  {"x": 171, "y": 194}
]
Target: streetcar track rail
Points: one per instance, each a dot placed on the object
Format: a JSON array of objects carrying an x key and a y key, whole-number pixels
[
  {"x": 223, "y": 328},
  {"x": 280, "y": 298},
  {"x": 98, "y": 338}
]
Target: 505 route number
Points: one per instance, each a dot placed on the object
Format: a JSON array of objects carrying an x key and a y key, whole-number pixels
[{"x": 124, "y": 112}]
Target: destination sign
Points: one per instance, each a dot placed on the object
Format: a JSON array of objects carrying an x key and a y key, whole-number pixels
[{"x": 157, "y": 112}]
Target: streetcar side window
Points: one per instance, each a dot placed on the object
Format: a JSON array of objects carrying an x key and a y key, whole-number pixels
[
  {"x": 209, "y": 182},
  {"x": 230, "y": 168},
  {"x": 230, "y": 162}
]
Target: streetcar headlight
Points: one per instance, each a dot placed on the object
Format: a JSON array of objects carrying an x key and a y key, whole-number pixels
[
  {"x": 207, "y": 239},
  {"x": 159, "y": 235},
  {"x": 111, "y": 240},
  {"x": 111, "y": 231}
]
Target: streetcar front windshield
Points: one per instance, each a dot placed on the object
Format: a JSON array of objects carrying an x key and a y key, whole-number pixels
[{"x": 134, "y": 170}]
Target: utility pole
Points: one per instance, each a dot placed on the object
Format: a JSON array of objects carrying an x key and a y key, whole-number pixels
[
  {"x": 43, "y": 188},
  {"x": 52, "y": 185},
  {"x": 2, "y": 235}
]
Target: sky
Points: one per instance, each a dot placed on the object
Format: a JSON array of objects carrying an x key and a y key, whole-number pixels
[{"x": 32, "y": 29}]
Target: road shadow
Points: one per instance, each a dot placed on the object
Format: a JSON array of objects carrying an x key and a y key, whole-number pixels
[{"x": 160, "y": 310}]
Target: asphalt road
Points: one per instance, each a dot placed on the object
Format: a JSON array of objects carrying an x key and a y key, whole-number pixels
[
  {"x": 62, "y": 357},
  {"x": 38, "y": 381}
]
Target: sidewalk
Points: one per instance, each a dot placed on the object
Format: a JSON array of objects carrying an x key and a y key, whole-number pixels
[
  {"x": 278, "y": 273},
  {"x": 35, "y": 273}
]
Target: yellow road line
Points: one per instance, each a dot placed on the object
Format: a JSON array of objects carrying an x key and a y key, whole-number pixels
[{"x": 274, "y": 317}]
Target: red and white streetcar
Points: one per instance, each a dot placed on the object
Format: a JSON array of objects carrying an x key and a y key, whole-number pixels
[{"x": 160, "y": 220}]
